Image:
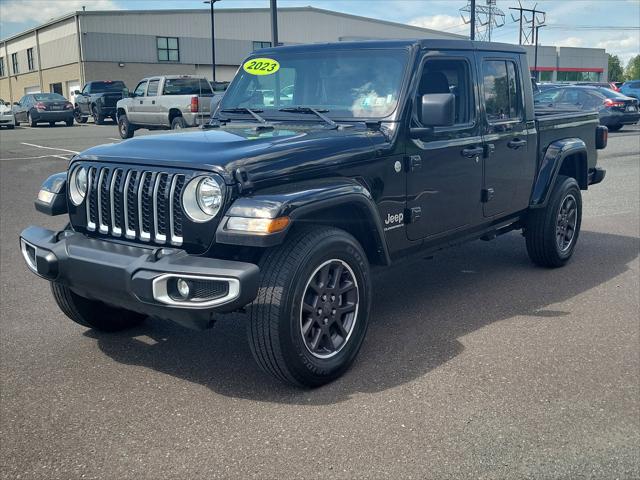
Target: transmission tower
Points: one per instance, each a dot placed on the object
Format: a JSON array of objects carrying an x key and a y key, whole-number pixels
[
  {"x": 529, "y": 19},
  {"x": 487, "y": 18}
]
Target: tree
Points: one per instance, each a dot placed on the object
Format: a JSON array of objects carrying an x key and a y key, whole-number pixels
[
  {"x": 632, "y": 72},
  {"x": 616, "y": 72}
]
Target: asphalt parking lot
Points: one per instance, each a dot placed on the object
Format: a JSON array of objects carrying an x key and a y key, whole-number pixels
[{"x": 476, "y": 365}]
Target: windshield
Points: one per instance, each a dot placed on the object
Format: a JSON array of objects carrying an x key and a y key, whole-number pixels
[
  {"x": 186, "y": 86},
  {"x": 51, "y": 97},
  {"x": 102, "y": 87},
  {"x": 342, "y": 83}
]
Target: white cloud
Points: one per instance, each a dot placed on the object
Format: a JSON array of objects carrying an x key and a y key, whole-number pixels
[
  {"x": 437, "y": 22},
  {"x": 571, "y": 42},
  {"x": 19, "y": 11}
]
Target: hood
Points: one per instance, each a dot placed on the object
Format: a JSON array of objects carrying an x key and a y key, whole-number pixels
[{"x": 263, "y": 155}]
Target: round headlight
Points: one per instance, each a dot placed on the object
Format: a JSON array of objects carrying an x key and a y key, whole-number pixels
[
  {"x": 78, "y": 185},
  {"x": 209, "y": 196},
  {"x": 203, "y": 198}
]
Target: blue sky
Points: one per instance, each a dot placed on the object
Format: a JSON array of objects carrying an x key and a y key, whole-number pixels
[{"x": 613, "y": 24}]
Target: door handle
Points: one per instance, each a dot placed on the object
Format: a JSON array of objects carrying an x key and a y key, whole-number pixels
[
  {"x": 140, "y": 102},
  {"x": 472, "y": 152},
  {"x": 516, "y": 143},
  {"x": 153, "y": 102}
]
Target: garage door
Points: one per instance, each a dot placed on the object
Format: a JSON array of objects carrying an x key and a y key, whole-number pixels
[{"x": 29, "y": 90}]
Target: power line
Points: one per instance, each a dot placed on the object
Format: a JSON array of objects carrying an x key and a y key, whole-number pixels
[{"x": 483, "y": 19}]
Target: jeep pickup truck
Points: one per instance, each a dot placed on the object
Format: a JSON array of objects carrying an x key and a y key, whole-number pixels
[
  {"x": 175, "y": 102},
  {"x": 98, "y": 99},
  {"x": 281, "y": 208}
]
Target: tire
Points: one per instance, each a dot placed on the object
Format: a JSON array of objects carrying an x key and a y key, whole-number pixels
[
  {"x": 178, "y": 123},
  {"x": 30, "y": 121},
  {"x": 17, "y": 123},
  {"x": 98, "y": 118},
  {"x": 92, "y": 313},
  {"x": 10, "y": 127},
  {"x": 125, "y": 129},
  {"x": 69, "y": 123},
  {"x": 275, "y": 324},
  {"x": 78, "y": 116},
  {"x": 545, "y": 226},
  {"x": 52, "y": 124},
  {"x": 615, "y": 128}
]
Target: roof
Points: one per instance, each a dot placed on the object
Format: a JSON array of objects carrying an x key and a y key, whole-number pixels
[
  {"x": 432, "y": 44},
  {"x": 206, "y": 11}
]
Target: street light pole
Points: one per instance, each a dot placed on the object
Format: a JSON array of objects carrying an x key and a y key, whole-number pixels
[
  {"x": 274, "y": 23},
  {"x": 535, "y": 65},
  {"x": 213, "y": 40}
]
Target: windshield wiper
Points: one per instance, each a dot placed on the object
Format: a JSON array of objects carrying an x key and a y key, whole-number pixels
[
  {"x": 318, "y": 113},
  {"x": 253, "y": 113}
]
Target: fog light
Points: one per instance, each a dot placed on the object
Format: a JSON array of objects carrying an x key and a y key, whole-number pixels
[{"x": 183, "y": 288}]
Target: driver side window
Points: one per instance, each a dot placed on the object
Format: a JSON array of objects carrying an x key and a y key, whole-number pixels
[
  {"x": 451, "y": 75},
  {"x": 140, "y": 89}
]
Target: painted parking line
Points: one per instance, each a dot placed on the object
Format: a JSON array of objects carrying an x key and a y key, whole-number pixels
[
  {"x": 61, "y": 157},
  {"x": 116, "y": 139},
  {"x": 49, "y": 148}
]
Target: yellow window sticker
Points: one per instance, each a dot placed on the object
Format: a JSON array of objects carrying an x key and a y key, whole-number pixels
[{"x": 261, "y": 66}]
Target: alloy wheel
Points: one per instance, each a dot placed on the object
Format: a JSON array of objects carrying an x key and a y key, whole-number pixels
[
  {"x": 566, "y": 223},
  {"x": 329, "y": 308}
]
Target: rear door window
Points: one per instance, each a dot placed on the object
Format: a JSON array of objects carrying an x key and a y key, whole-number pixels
[
  {"x": 502, "y": 92},
  {"x": 185, "y": 86}
]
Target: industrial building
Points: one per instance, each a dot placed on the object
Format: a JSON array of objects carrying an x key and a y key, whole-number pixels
[
  {"x": 64, "y": 53},
  {"x": 569, "y": 64}
]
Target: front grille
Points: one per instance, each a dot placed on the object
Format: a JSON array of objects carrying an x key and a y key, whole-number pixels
[{"x": 135, "y": 204}]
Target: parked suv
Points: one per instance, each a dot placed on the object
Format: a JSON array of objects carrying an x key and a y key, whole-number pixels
[
  {"x": 281, "y": 209},
  {"x": 631, "y": 89},
  {"x": 98, "y": 99},
  {"x": 165, "y": 102}
]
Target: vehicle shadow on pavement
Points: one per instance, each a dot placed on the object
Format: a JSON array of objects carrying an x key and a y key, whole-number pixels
[{"x": 421, "y": 310}]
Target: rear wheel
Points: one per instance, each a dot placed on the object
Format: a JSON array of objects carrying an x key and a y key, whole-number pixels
[
  {"x": 310, "y": 317},
  {"x": 125, "y": 129},
  {"x": 92, "y": 313},
  {"x": 69, "y": 123},
  {"x": 31, "y": 121},
  {"x": 178, "y": 123},
  {"x": 552, "y": 232},
  {"x": 98, "y": 118}
]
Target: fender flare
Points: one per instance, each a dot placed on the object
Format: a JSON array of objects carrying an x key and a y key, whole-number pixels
[
  {"x": 550, "y": 166},
  {"x": 298, "y": 200}
]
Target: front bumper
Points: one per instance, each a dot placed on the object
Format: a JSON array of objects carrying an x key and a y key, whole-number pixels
[{"x": 129, "y": 276}]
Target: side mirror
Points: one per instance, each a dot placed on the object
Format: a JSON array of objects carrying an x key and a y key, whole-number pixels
[
  {"x": 17, "y": 104},
  {"x": 436, "y": 110},
  {"x": 77, "y": 92},
  {"x": 132, "y": 94}
]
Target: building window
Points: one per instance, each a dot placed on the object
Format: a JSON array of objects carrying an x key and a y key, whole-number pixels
[
  {"x": 30, "y": 59},
  {"x": 1, "y": 66},
  {"x": 168, "y": 50},
  {"x": 55, "y": 88},
  {"x": 578, "y": 76},
  {"x": 545, "y": 76},
  {"x": 14, "y": 63},
  {"x": 258, "y": 45}
]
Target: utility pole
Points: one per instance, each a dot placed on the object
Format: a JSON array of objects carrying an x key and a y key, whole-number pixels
[
  {"x": 528, "y": 23},
  {"x": 274, "y": 23},
  {"x": 479, "y": 16},
  {"x": 213, "y": 41},
  {"x": 473, "y": 20},
  {"x": 535, "y": 66}
]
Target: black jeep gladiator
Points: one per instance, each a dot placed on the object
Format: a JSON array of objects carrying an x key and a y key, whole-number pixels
[
  {"x": 98, "y": 99},
  {"x": 321, "y": 162}
]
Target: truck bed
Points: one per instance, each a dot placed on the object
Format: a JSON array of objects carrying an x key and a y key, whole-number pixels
[{"x": 555, "y": 124}]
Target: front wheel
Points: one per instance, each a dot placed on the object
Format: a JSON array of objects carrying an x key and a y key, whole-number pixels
[
  {"x": 310, "y": 317},
  {"x": 552, "y": 232},
  {"x": 92, "y": 313},
  {"x": 615, "y": 128},
  {"x": 98, "y": 118},
  {"x": 125, "y": 129},
  {"x": 78, "y": 116},
  {"x": 69, "y": 123}
]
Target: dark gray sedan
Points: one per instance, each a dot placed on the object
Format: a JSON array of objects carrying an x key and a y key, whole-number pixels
[{"x": 43, "y": 108}]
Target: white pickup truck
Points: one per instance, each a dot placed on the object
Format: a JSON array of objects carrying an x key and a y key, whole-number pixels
[{"x": 172, "y": 101}]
